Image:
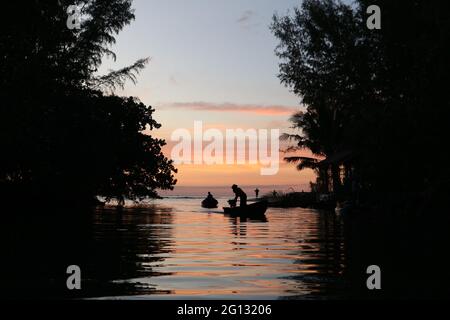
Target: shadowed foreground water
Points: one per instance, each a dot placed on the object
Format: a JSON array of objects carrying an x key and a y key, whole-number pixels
[{"x": 174, "y": 249}]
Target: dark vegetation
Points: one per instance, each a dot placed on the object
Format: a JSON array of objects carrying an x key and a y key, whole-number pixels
[
  {"x": 376, "y": 100},
  {"x": 64, "y": 134}
]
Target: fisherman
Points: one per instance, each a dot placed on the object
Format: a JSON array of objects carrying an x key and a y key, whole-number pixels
[
  {"x": 257, "y": 192},
  {"x": 209, "y": 201},
  {"x": 239, "y": 194}
]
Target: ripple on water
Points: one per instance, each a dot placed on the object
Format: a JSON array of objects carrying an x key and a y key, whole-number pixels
[{"x": 175, "y": 249}]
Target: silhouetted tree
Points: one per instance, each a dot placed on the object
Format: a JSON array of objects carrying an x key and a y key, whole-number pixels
[
  {"x": 324, "y": 56},
  {"x": 411, "y": 73},
  {"x": 380, "y": 93},
  {"x": 63, "y": 132}
]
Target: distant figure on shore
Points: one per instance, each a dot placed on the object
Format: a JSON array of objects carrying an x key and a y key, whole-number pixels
[
  {"x": 120, "y": 202},
  {"x": 239, "y": 194},
  {"x": 257, "y": 192},
  {"x": 274, "y": 193}
]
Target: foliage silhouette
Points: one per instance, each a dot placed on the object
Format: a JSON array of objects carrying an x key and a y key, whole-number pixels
[
  {"x": 379, "y": 93},
  {"x": 62, "y": 136}
]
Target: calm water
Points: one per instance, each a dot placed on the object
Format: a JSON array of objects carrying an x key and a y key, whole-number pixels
[{"x": 174, "y": 249}]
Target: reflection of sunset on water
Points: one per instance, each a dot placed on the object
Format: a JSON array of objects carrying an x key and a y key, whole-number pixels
[{"x": 180, "y": 250}]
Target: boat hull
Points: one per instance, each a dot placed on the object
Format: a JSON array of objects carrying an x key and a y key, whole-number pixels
[
  {"x": 211, "y": 204},
  {"x": 251, "y": 210}
]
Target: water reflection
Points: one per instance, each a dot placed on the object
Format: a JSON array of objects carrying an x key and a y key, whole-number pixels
[
  {"x": 125, "y": 245},
  {"x": 180, "y": 251},
  {"x": 174, "y": 249}
]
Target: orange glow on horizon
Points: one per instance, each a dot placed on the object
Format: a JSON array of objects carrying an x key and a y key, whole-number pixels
[{"x": 219, "y": 175}]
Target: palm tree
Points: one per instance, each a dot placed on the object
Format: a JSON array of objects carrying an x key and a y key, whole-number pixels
[{"x": 317, "y": 134}]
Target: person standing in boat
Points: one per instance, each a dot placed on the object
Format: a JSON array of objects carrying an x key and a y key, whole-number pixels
[
  {"x": 239, "y": 194},
  {"x": 257, "y": 192}
]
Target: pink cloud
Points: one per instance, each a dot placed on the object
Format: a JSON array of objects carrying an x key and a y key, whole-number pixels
[{"x": 272, "y": 110}]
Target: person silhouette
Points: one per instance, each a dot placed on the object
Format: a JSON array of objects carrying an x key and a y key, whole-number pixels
[
  {"x": 257, "y": 192},
  {"x": 120, "y": 201},
  {"x": 209, "y": 201},
  {"x": 239, "y": 194}
]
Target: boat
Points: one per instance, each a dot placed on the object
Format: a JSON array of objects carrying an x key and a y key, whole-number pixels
[
  {"x": 210, "y": 203},
  {"x": 256, "y": 209}
]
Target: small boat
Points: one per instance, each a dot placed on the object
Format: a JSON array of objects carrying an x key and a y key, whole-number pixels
[
  {"x": 210, "y": 203},
  {"x": 256, "y": 209}
]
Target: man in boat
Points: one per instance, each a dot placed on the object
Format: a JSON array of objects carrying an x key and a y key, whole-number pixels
[
  {"x": 210, "y": 198},
  {"x": 209, "y": 201},
  {"x": 239, "y": 194}
]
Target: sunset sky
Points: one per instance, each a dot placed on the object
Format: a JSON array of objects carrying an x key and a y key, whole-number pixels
[{"x": 211, "y": 61}]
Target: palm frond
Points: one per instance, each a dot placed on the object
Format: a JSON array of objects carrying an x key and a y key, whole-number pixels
[
  {"x": 297, "y": 118},
  {"x": 118, "y": 78},
  {"x": 303, "y": 162}
]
